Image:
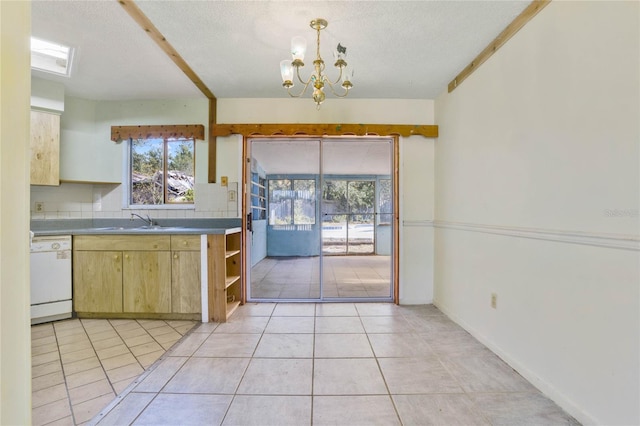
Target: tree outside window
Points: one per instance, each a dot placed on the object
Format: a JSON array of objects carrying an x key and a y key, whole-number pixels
[
  {"x": 292, "y": 202},
  {"x": 385, "y": 201},
  {"x": 162, "y": 171}
]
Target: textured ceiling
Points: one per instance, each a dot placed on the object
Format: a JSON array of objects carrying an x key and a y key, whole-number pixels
[{"x": 398, "y": 49}]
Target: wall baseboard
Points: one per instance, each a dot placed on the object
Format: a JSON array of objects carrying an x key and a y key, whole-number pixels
[
  {"x": 615, "y": 241},
  {"x": 547, "y": 389}
]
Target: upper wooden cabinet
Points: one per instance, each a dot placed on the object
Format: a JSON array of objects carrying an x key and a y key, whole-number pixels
[{"x": 45, "y": 148}]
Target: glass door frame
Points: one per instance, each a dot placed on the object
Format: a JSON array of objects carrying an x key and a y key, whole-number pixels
[{"x": 246, "y": 209}]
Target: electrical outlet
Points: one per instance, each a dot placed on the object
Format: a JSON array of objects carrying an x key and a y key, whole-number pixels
[
  {"x": 39, "y": 207},
  {"x": 224, "y": 180},
  {"x": 494, "y": 300},
  {"x": 232, "y": 195}
]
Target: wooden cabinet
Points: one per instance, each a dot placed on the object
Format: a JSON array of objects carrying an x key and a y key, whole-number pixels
[
  {"x": 186, "y": 294},
  {"x": 133, "y": 276},
  {"x": 225, "y": 266},
  {"x": 45, "y": 148},
  {"x": 156, "y": 276},
  {"x": 146, "y": 281},
  {"x": 97, "y": 281}
]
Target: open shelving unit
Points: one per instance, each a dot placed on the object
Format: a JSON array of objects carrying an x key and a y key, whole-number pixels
[
  {"x": 258, "y": 197},
  {"x": 225, "y": 273}
]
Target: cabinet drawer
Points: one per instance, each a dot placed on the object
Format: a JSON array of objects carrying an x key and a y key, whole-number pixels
[
  {"x": 121, "y": 242},
  {"x": 185, "y": 242}
]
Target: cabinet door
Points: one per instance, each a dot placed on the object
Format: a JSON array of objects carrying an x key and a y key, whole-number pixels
[
  {"x": 146, "y": 281},
  {"x": 185, "y": 282},
  {"x": 97, "y": 281},
  {"x": 45, "y": 148}
]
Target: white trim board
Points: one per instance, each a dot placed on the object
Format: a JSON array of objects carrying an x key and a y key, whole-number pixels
[{"x": 616, "y": 241}]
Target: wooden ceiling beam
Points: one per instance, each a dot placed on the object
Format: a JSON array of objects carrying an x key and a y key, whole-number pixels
[
  {"x": 292, "y": 129},
  {"x": 527, "y": 14},
  {"x": 145, "y": 23}
]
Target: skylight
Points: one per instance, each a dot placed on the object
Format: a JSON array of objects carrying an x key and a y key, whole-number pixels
[{"x": 51, "y": 57}]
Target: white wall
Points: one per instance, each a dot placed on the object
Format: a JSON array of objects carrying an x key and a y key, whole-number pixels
[
  {"x": 15, "y": 335},
  {"x": 417, "y": 192},
  {"x": 416, "y": 168},
  {"x": 47, "y": 95},
  {"x": 303, "y": 110},
  {"x": 88, "y": 155},
  {"x": 86, "y": 151},
  {"x": 537, "y": 183}
]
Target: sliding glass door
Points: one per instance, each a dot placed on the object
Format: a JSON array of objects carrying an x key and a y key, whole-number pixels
[
  {"x": 284, "y": 243},
  {"x": 321, "y": 214}
]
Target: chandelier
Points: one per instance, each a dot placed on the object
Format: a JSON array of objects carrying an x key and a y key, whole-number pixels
[{"x": 317, "y": 79}]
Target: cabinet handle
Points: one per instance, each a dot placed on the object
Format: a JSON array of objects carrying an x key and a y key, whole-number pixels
[
  {"x": 115, "y": 257},
  {"x": 175, "y": 256},
  {"x": 184, "y": 243},
  {"x": 126, "y": 256}
]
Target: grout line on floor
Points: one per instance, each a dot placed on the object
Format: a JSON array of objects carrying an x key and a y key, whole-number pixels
[{"x": 147, "y": 371}]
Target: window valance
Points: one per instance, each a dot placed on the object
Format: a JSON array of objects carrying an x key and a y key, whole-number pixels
[{"x": 164, "y": 131}]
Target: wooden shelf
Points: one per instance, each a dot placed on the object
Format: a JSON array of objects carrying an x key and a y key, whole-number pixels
[
  {"x": 231, "y": 253},
  {"x": 232, "y": 306},
  {"x": 230, "y": 281},
  {"x": 225, "y": 272}
]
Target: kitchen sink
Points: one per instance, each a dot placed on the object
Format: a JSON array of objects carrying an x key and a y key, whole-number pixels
[
  {"x": 138, "y": 228},
  {"x": 157, "y": 228},
  {"x": 109, "y": 228}
]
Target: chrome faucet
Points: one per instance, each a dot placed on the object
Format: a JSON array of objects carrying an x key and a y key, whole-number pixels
[{"x": 147, "y": 219}]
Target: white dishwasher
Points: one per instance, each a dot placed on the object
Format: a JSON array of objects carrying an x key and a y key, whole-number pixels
[{"x": 50, "y": 278}]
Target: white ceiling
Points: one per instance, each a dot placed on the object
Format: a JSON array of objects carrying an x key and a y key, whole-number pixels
[{"x": 398, "y": 49}]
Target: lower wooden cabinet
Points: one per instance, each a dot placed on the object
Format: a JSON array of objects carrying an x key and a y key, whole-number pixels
[
  {"x": 186, "y": 293},
  {"x": 149, "y": 276},
  {"x": 146, "y": 281},
  {"x": 97, "y": 281}
]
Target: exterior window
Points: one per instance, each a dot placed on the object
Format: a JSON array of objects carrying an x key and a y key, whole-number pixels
[
  {"x": 258, "y": 197},
  {"x": 384, "y": 201},
  {"x": 292, "y": 202},
  {"x": 162, "y": 171}
]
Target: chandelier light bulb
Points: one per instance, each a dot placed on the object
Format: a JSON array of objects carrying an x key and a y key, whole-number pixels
[
  {"x": 298, "y": 48},
  {"x": 286, "y": 71}
]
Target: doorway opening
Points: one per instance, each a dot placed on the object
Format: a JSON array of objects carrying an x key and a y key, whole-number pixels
[{"x": 321, "y": 219}]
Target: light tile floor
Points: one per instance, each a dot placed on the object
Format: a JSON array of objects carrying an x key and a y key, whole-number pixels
[
  {"x": 79, "y": 366},
  {"x": 338, "y": 364},
  {"x": 343, "y": 276}
]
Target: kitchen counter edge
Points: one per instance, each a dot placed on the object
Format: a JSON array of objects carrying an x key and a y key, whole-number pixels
[{"x": 137, "y": 231}]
